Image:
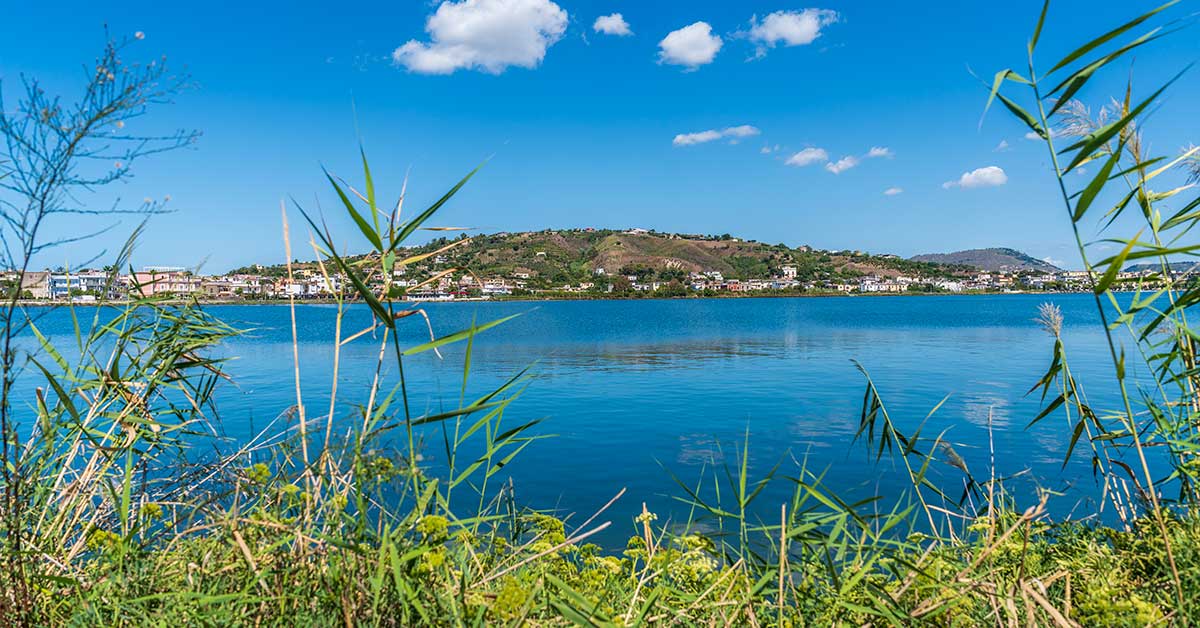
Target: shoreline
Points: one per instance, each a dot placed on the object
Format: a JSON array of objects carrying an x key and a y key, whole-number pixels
[{"x": 536, "y": 299}]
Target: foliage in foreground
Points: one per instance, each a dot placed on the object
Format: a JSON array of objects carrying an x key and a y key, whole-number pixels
[
  {"x": 263, "y": 567},
  {"x": 121, "y": 506}
]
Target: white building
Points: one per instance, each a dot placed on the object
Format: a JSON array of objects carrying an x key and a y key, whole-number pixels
[
  {"x": 93, "y": 282},
  {"x": 496, "y": 286},
  {"x": 948, "y": 285}
]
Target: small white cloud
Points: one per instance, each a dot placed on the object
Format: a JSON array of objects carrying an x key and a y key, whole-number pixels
[
  {"x": 808, "y": 157},
  {"x": 814, "y": 155},
  {"x": 842, "y": 165},
  {"x": 734, "y": 133},
  {"x": 485, "y": 35},
  {"x": 988, "y": 176},
  {"x": 614, "y": 24},
  {"x": 766, "y": 150},
  {"x": 1054, "y": 133},
  {"x": 1054, "y": 262},
  {"x": 700, "y": 137},
  {"x": 691, "y": 46},
  {"x": 892, "y": 191},
  {"x": 791, "y": 28},
  {"x": 1001, "y": 147}
]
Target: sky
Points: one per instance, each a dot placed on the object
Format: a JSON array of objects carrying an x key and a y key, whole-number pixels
[{"x": 849, "y": 124}]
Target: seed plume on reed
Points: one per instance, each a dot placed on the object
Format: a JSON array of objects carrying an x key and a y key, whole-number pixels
[{"x": 1050, "y": 318}]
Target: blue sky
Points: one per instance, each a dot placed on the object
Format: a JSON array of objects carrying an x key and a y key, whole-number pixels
[{"x": 582, "y": 125}]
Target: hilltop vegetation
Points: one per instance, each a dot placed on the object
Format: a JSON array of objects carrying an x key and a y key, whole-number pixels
[
  {"x": 988, "y": 259},
  {"x": 554, "y": 257}
]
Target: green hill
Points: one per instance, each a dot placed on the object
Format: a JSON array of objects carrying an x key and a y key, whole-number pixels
[
  {"x": 570, "y": 256},
  {"x": 988, "y": 259}
]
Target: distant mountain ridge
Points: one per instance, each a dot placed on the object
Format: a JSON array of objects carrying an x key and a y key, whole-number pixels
[
  {"x": 1177, "y": 267},
  {"x": 993, "y": 259}
]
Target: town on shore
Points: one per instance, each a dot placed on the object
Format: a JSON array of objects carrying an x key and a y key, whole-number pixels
[
  {"x": 94, "y": 285},
  {"x": 587, "y": 263}
]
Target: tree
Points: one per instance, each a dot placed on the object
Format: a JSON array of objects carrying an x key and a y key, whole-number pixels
[
  {"x": 672, "y": 274},
  {"x": 54, "y": 153},
  {"x": 672, "y": 289},
  {"x": 641, "y": 271},
  {"x": 621, "y": 284}
]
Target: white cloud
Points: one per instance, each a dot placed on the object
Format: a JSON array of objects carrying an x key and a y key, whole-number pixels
[
  {"x": 988, "y": 176},
  {"x": 1054, "y": 133},
  {"x": 807, "y": 157},
  {"x": 687, "y": 139},
  {"x": 814, "y": 155},
  {"x": 486, "y": 35},
  {"x": 791, "y": 28},
  {"x": 842, "y": 165},
  {"x": 1001, "y": 147},
  {"x": 739, "y": 132},
  {"x": 691, "y": 46},
  {"x": 892, "y": 191},
  {"x": 734, "y": 133},
  {"x": 614, "y": 24},
  {"x": 1054, "y": 262}
]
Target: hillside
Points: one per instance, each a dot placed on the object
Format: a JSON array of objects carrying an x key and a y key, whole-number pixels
[
  {"x": 988, "y": 259},
  {"x": 556, "y": 257},
  {"x": 569, "y": 256},
  {"x": 1176, "y": 267}
]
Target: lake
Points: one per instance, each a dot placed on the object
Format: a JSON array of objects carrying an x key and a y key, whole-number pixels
[{"x": 635, "y": 391}]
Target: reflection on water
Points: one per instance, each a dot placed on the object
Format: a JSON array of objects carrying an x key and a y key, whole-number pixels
[
  {"x": 671, "y": 355},
  {"x": 629, "y": 386},
  {"x": 699, "y": 449},
  {"x": 989, "y": 406}
]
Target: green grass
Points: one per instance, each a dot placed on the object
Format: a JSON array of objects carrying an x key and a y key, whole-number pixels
[{"x": 434, "y": 570}]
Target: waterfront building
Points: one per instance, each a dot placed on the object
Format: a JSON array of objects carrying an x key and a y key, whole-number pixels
[
  {"x": 37, "y": 283},
  {"x": 86, "y": 282},
  {"x": 152, "y": 281}
]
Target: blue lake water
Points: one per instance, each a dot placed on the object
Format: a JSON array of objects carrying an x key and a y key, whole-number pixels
[{"x": 631, "y": 389}]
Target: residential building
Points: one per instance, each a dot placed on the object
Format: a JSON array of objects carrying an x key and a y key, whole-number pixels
[
  {"x": 37, "y": 284},
  {"x": 153, "y": 281},
  {"x": 948, "y": 285},
  {"x": 496, "y": 286},
  {"x": 86, "y": 282}
]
